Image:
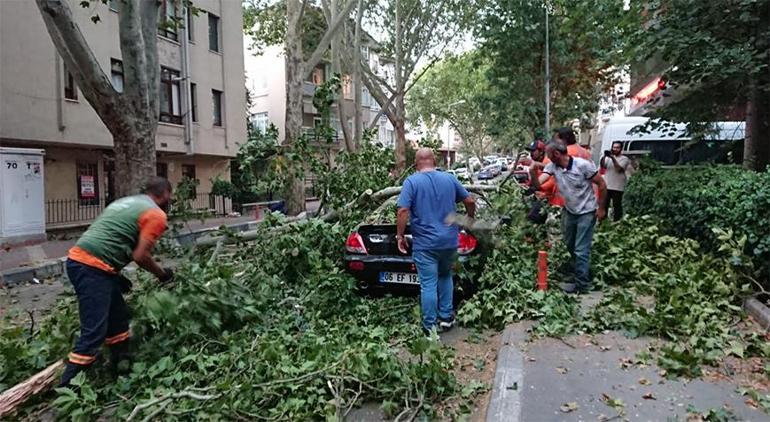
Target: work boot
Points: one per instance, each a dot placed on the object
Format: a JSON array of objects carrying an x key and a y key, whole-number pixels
[
  {"x": 120, "y": 358},
  {"x": 70, "y": 371}
]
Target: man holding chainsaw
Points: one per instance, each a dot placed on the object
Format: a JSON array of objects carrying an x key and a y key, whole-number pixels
[{"x": 126, "y": 231}]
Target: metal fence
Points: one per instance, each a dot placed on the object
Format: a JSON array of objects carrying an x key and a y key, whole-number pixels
[
  {"x": 64, "y": 212},
  {"x": 72, "y": 211},
  {"x": 217, "y": 205}
]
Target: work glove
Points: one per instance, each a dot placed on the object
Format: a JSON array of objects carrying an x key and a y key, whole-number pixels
[
  {"x": 168, "y": 276},
  {"x": 124, "y": 284}
]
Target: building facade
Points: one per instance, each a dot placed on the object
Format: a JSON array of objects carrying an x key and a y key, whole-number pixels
[
  {"x": 266, "y": 81},
  {"x": 203, "y": 113}
]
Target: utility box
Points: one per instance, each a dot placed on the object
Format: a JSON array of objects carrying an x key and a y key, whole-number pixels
[{"x": 22, "y": 196}]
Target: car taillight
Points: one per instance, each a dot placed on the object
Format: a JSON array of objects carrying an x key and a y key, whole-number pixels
[
  {"x": 355, "y": 244},
  {"x": 356, "y": 265},
  {"x": 467, "y": 243}
]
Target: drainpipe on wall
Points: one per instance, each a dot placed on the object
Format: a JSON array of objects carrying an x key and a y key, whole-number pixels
[
  {"x": 187, "y": 97},
  {"x": 59, "y": 99}
]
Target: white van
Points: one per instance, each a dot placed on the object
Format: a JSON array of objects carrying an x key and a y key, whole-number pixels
[{"x": 673, "y": 147}]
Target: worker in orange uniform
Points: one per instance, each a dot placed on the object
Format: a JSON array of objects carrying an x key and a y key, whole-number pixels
[
  {"x": 126, "y": 231},
  {"x": 547, "y": 190}
]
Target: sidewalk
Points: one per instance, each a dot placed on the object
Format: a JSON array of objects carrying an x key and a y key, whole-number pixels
[
  {"x": 27, "y": 256},
  {"x": 46, "y": 259},
  {"x": 600, "y": 378}
]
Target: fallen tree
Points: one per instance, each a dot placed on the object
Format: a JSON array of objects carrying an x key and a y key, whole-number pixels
[
  {"x": 366, "y": 200},
  {"x": 14, "y": 397}
]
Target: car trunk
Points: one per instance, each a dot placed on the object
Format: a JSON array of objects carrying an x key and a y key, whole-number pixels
[{"x": 380, "y": 239}]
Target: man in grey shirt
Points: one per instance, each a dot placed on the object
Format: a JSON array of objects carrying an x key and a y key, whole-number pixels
[
  {"x": 616, "y": 176},
  {"x": 575, "y": 178}
]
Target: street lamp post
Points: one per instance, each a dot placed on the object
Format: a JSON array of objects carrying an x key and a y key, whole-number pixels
[
  {"x": 448, "y": 134},
  {"x": 547, "y": 76}
]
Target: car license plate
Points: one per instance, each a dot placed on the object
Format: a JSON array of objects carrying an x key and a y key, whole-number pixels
[{"x": 399, "y": 278}]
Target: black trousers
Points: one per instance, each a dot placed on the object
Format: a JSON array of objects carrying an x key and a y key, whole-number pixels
[
  {"x": 616, "y": 198},
  {"x": 104, "y": 316}
]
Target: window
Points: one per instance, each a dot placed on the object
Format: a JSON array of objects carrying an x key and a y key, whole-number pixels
[
  {"x": 114, "y": 4},
  {"x": 189, "y": 23},
  {"x": 216, "y": 97},
  {"x": 88, "y": 182},
  {"x": 170, "y": 22},
  {"x": 194, "y": 101},
  {"x": 188, "y": 172},
  {"x": 70, "y": 89},
  {"x": 347, "y": 87},
  {"x": 116, "y": 72},
  {"x": 260, "y": 121},
  {"x": 317, "y": 77},
  {"x": 666, "y": 151},
  {"x": 169, "y": 96},
  {"x": 161, "y": 169},
  {"x": 213, "y": 32}
]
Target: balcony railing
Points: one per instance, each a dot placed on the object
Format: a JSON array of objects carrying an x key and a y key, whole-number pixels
[{"x": 316, "y": 136}]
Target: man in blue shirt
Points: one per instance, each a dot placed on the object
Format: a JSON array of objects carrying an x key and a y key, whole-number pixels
[{"x": 428, "y": 197}]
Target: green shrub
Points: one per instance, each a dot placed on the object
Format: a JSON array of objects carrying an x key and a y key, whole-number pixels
[{"x": 690, "y": 202}]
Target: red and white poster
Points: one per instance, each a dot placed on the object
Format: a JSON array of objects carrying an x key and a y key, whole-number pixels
[{"x": 87, "y": 187}]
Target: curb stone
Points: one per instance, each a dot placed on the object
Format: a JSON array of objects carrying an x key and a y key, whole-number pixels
[
  {"x": 55, "y": 267},
  {"x": 505, "y": 400},
  {"x": 50, "y": 268},
  {"x": 758, "y": 311}
]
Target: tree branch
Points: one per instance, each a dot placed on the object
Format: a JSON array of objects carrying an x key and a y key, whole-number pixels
[
  {"x": 323, "y": 45},
  {"x": 81, "y": 62},
  {"x": 149, "y": 14}
]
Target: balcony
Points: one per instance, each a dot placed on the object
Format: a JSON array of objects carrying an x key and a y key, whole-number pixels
[
  {"x": 308, "y": 88},
  {"x": 318, "y": 137}
]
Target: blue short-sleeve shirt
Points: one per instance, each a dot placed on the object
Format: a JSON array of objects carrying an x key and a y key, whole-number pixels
[{"x": 430, "y": 197}]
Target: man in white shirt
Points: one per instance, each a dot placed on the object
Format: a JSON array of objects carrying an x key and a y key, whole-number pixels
[
  {"x": 575, "y": 177},
  {"x": 618, "y": 168}
]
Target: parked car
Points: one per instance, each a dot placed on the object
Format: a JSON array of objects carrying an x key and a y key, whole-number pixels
[
  {"x": 373, "y": 259},
  {"x": 462, "y": 174},
  {"x": 503, "y": 163},
  {"x": 487, "y": 173}
]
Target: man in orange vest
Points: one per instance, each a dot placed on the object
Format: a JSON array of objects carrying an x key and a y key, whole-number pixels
[
  {"x": 547, "y": 190},
  {"x": 126, "y": 231}
]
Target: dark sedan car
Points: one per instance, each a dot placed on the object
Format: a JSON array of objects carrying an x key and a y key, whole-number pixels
[
  {"x": 486, "y": 173},
  {"x": 373, "y": 258}
]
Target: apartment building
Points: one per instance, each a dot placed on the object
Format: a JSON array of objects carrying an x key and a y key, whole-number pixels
[
  {"x": 201, "y": 78},
  {"x": 266, "y": 81}
]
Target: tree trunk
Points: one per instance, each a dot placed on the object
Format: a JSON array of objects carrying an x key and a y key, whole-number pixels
[
  {"x": 295, "y": 197},
  {"x": 756, "y": 147},
  {"x": 130, "y": 116},
  {"x": 134, "y": 158},
  {"x": 358, "y": 118},
  {"x": 400, "y": 135}
]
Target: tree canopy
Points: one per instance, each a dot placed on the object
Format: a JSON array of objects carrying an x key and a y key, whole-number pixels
[
  {"x": 453, "y": 91},
  {"x": 586, "y": 43},
  {"x": 715, "y": 56}
]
